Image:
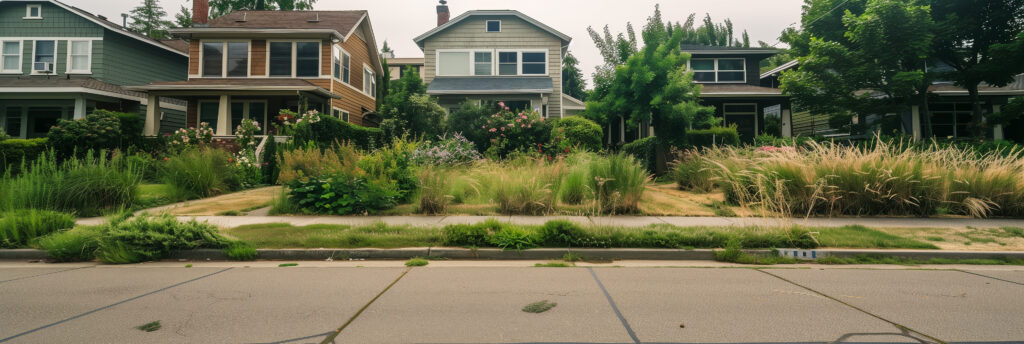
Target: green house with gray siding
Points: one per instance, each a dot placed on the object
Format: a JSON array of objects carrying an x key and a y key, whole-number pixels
[{"x": 60, "y": 62}]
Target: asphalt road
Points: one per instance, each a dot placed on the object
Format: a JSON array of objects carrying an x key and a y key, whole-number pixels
[{"x": 481, "y": 302}]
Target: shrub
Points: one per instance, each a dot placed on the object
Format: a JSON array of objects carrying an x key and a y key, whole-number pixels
[
  {"x": 19, "y": 227},
  {"x": 692, "y": 172},
  {"x": 619, "y": 181},
  {"x": 715, "y": 136},
  {"x": 509, "y": 132},
  {"x": 562, "y": 233},
  {"x": 471, "y": 235},
  {"x": 14, "y": 151},
  {"x": 98, "y": 130},
  {"x": 240, "y": 251},
  {"x": 183, "y": 139},
  {"x": 343, "y": 195},
  {"x": 644, "y": 150},
  {"x": 200, "y": 172},
  {"x": 74, "y": 245},
  {"x": 447, "y": 151},
  {"x": 393, "y": 165},
  {"x": 328, "y": 131},
  {"x": 468, "y": 120},
  {"x": 147, "y": 238},
  {"x": 270, "y": 168},
  {"x": 511, "y": 237},
  {"x": 576, "y": 132},
  {"x": 3, "y": 134},
  {"x": 303, "y": 163}
]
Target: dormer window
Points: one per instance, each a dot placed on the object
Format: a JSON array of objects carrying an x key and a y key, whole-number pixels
[
  {"x": 34, "y": 11},
  {"x": 493, "y": 26},
  {"x": 724, "y": 70}
]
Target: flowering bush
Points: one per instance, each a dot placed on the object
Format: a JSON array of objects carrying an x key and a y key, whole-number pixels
[
  {"x": 510, "y": 131},
  {"x": 246, "y": 134},
  {"x": 448, "y": 151},
  {"x": 191, "y": 137},
  {"x": 292, "y": 122}
]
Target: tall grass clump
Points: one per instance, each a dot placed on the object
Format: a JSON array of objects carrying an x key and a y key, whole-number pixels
[
  {"x": 200, "y": 173},
  {"x": 86, "y": 186},
  {"x": 312, "y": 162},
  {"x": 619, "y": 182},
  {"x": 692, "y": 172},
  {"x": 575, "y": 187},
  {"x": 433, "y": 191},
  {"x": 878, "y": 179},
  {"x": 528, "y": 187},
  {"x": 18, "y": 228}
]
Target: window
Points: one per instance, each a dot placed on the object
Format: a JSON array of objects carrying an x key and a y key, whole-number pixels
[
  {"x": 340, "y": 114},
  {"x": 342, "y": 62},
  {"x": 34, "y": 11},
  {"x": 508, "y": 63},
  {"x": 11, "y": 59},
  {"x": 482, "y": 63},
  {"x": 280, "y": 59},
  {"x": 307, "y": 59},
  {"x": 336, "y": 62},
  {"x": 718, "y": 70},
  {"x": 533, "y": 63},
  {"x": 950, "y": 119},
  {"x": 369, "y": 82},
  {"x": 493, "y": 26},
  {"x": 80, "y": 56},
  {"x": 44, "y": 53},
  {"x": 238, "y": 59},
  {"x": 517, "y": 105},
  {"x": 346, "y": 64},
  {"x": 453, "y": 63},
  {"x": 213, "y": 57}
]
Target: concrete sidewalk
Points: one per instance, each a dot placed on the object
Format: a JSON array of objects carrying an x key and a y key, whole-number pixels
[{"x": 619, "y": 221}]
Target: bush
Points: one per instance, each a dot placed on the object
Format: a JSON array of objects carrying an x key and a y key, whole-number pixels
[
  {"x": 18, "y": 228},
  {"x": 469, "y": 120},
  {"x": 270, "y": 168},
  {"x": 343, "y": 195},
  {"x": 509, "y": 132},
  {"x": 692, "y": 172},
  {"x": 644, "y": 150},
  {"x": 393, "y": 165},
  {"x": 619, "y": 181},
  {"x": 240, "y": 251},
  {"x": 197, "y": 173},
  {"x": 85, "y": 186},
  {"x": 578, "y": 132},
  {"x": 183, "y": 139},
  {"x": 476, "y": 235},
  {"x": 148, "y": 238},
  {"x": 510, "y": 237},
  {"x": 98, "y": 130},
  {"x": 562, "y": 233},
  {"x": 75, "y": 245},
  {"x": 328, "y": 131},
  {"x": 716, "y": 136},
  {"x": 14, "y": 151},
  {"x": 304, "y": 163},
  {"x": 447, "y": 151}
]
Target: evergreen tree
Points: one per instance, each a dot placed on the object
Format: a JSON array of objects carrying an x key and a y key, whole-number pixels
[
  {"x": 183, "y": 18},
  {"x": 572, "y": 78},
  {"x": 148, "y": 19},
  {"x": 222, "y": 7}
]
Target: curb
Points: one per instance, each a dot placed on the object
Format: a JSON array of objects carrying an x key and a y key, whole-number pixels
[{"x": 536, "y": 254}]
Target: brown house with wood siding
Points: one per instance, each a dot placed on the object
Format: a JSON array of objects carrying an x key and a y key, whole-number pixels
[{"x": 253, "y": 64}]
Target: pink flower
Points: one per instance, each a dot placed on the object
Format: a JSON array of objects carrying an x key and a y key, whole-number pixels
[
  {"x": 493, "y": 130},
  {"x": 501, "y": 104},
  {"x": 522, "y": 125},
  {"x": 511, "y": 125},
  {"x": 483, "y": 127},
  {"x": 502, "y": 128}
]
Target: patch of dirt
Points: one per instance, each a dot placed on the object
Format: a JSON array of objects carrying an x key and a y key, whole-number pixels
[
  {"x": 963, "y": 239},
  {"x": 239, "y": 202},
  {"x": 667, "y": 200}
]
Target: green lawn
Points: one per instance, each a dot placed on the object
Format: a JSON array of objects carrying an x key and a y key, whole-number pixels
[{"x": 153, "y": 195}]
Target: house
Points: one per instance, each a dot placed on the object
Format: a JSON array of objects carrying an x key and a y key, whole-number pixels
[
  {"x": 398, "y": 66},
  {"x": 494, "y": 55},
  {"x": 253, "y": 64},
  {"x": 950, "y": 108},
  {"x": 61, "y": 62}
]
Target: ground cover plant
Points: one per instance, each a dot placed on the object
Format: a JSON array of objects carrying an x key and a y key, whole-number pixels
[{"x": 19, "y": 227}]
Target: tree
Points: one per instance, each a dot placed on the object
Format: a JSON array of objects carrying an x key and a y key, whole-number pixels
[
  {"x": 183, "y": 18},
  {"x": 407, "y": 109},
  {"x": 222, "y": 7},
  {"x": 572, "y": 78},
  {"x": 653, "y": 86},
  {"x": 981, "y": 41},
  {"x": 148, "y": 19},
  {"x": 386, "y": 49}
]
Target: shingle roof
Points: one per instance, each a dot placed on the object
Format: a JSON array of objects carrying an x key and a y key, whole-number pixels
[
  {"x": 250, "y": 84},
  {"x": 45, "y": 84},
  {"x": 565, "y": 38},
  {"x": 490, "y": 85},
  {"x": 178, "y": 44},
  {"x": 341, "y": 21}
]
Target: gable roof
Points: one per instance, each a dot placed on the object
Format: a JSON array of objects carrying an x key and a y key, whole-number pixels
[
  {"x": 780, "y": 68},
  {"x": 565, "y": 38},
  {"x": 101, "y": 21}
]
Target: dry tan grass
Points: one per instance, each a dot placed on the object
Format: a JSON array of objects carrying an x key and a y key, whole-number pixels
[{"x": 239, "y": 202}]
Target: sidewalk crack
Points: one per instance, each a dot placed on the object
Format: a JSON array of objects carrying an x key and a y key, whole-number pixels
[
  {"x": 330, "y": 338},
  {"x": 615, "y": 308}
]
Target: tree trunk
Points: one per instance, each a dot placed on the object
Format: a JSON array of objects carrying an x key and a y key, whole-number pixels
[
  {"x": 660, "y": 153},
  {"x": 925, "y": 113},
  {"x": 977, "y": 119}
]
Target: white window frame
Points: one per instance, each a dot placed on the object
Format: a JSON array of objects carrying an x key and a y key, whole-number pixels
[
  {"x": 224, "y": 59},
  {"x": 35, "y": 46},
  {"x": 28, "y": 11},
  {"x": 295, "y": 61},
  {"x": 716, "y": 70},
  {"x": 487, "y": 26},
  {"x": 372, "y": 80},
  {"x": 88, "y": 68},
  {"x": 494, "y": 61},
  {"x": 341, "y": 114},
  {"x": 21, "y": 57},
  {"x": 340, "y": 53}
]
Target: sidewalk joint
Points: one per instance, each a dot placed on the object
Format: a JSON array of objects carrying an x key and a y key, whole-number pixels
[
  {"x": 615, "y": 308},
  {"x": 986, "y": 276},
  {"x": 44, "y": 274},
  {"x": 330, "y": 338}
]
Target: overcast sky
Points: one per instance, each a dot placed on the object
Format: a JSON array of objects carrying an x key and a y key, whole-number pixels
[{"x": 398, "y": 21}]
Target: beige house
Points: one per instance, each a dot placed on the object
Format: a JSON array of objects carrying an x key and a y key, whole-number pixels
[
  {"x": 494, "y": 55},
  {"x": 398, "y": 66}
]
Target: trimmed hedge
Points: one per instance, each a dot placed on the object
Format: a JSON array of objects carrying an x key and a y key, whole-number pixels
[
  {"x": 12, "y": 151},
  {"x": 330, "y": 130},
  {"x": 578, "y": 132},
  {"x": 99, "y": 130},
  {"x": 645, "y": 151},
  {"x": 727, "y": 136}
]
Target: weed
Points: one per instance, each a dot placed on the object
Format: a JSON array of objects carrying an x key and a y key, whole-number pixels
[
  {"x": 199, "y": 173},
  {"x": 150, "y": 327},
  {"x": 516, "y": 238},
  {"x": 572, "y": 257},
  {"x": 417, "y": 262},
  {"x": 554, "y": 265},
  {"x": 721, "y": 209},
  {"x": 883, "y": 259},
  {"x": 240, "y": 251},
  {"x": 188, "y": 265},
  {"x": 935, "y": 238},
  {"x": 287, "y": 265},
  {"x": 734, "y": 253},
  {"x": 539, "y": 307}
]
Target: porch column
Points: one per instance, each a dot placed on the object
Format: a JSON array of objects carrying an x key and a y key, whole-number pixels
[
  {"x": 787, "y": 123},
  {"x": 224, "y": 117},
  {"x": 152, "y": 124},
  {"x": 79, "y": 107},
  {"x": 24, "y": 122},
  {"x": 997, "y": 130},
  {"x": 915, "y": 121}
]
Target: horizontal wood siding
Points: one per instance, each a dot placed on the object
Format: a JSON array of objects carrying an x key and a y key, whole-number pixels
[
  {"x": 193, "y": 57},
  {"x": 325, "y": 57},
  {"x": 259, "y": 58},
  {"x": 353, "y": 99},
  {"x": 515, "y": 34}
]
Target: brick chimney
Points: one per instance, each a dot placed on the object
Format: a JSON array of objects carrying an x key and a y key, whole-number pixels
[
  {"x": 442, "y": 13},
  {"x": 200, "y": 13}
]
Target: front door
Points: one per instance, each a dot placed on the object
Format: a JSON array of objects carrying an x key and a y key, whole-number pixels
[{"x": 744, "y": 117}]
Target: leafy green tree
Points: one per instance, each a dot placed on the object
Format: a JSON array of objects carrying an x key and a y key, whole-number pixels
[
  {"x": 653, "y": 86},
  {"x": 148, "y": 19},
  {"x": 408, "y": 109},
  {"x": 222, "y": 7},
  {"x": 183, "y": 18},
  {"x": 982, "y": 42},
  {"x": 572, "y": 78}
]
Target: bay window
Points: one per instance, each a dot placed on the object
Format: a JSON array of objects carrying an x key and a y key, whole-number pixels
[
  {"x": 342, "y": 65},
  {"x": 79, "y": 56},
  {"x": 719, "y": 70},
  {"x": 10, "y": 62}
]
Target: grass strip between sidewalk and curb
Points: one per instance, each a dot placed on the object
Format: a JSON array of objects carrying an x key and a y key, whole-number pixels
[{"x": 330, "y": 338}]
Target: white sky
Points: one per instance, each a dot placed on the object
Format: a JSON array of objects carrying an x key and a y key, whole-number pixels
[{"x": 398, "y": 21}]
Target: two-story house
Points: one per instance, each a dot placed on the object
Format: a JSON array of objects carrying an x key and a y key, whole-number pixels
[
  {"x": 494, "y": 55},
  {"x": 60, "y": 62},
  {"x": 398, "y": 66},
  {"x": 252, "y": 64}
]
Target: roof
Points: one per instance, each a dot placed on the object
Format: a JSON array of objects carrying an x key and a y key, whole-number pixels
[
  {"x": 738, "y": 90},
  {"x": 86, "y": 85},
  {"x": 178, "y": 44},
  {"x": 565, "y": 38},
  {"x": 406, "y": 61},
  {"x": 695, "y": 49},
  {"x": 780, "y": 68},
  {"x": 490, "y": 85},
  {"x": 250, "y": 84},
  {"x": 570, "y": 102},
  {"x": 108, "y": 25},
  {"x": 953, "y": 90}
]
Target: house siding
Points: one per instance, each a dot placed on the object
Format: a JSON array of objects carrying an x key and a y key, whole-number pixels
[
  {"x": 353, "y": 99},
  {"x": 258, "y": 58},
  {"x": 56, "y": 22},
  {"x": 132, "y": 62},
  {"x": 515, "y": 34}
]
